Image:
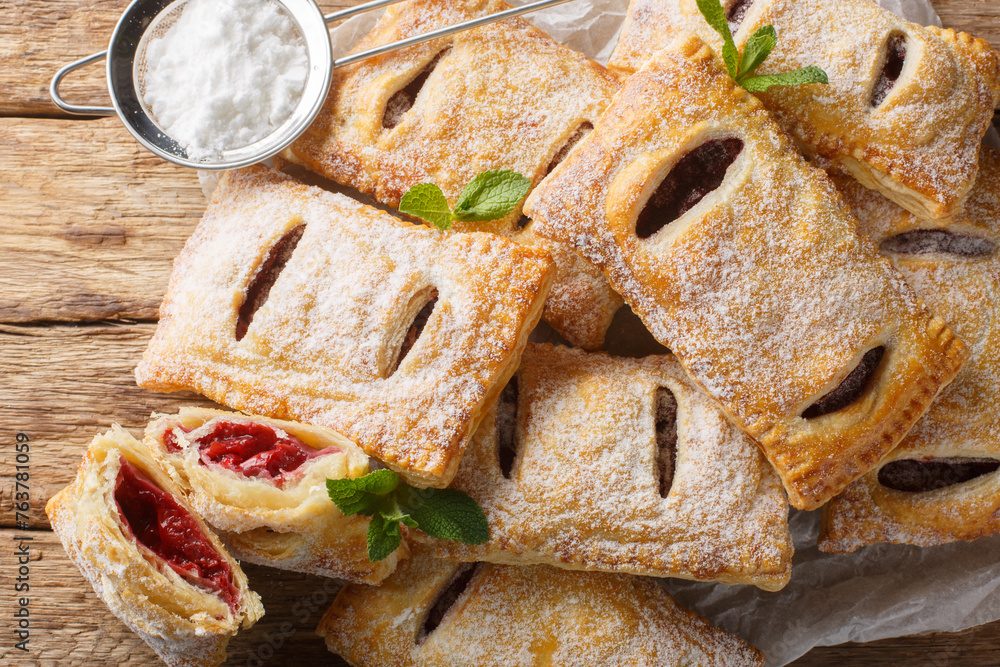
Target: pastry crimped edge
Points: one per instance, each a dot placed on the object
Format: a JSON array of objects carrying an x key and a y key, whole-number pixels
[
  {"x": 120, "y": 574},
  {"x": 294, "y": 527},
  {"x": 945, "y": 353}
]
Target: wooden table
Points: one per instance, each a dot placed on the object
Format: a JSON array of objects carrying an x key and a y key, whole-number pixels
[{"x": 89, "y": 225}]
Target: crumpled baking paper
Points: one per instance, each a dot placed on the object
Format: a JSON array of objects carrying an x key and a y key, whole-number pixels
[{"x": 877, "y": 592}]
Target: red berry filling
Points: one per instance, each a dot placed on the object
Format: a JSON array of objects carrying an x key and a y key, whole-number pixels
[{"x": 162, "y": 525}]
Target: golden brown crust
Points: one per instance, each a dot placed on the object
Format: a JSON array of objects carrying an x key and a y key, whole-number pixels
[
  {"x": 185, "y": 625},
  {"x": 961, "y": 424},
  {"x": 503, "y": 96},
  {"x": 919, "y": 147},
  {"x": 322, "y": 348},
  {"x": 763, "y": 290},
  {"x": 523, "y": 617},
  {"x": 584, "y": 491},
  {"x": 293, "y": 526}
]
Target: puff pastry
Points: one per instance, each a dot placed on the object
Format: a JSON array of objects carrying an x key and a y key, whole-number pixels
[
  {"x": 744, "y": 261},
  {"x": 392, "y": 334},
  {"x": 261, "y": 483},
  {"x": 503, "y": 96},
  {"x": 906, "y": 105},
  {"x": 435, "y": 613},
  {"x": 621, "y": 465},
  {"x": 149, "y": 556},
  {"x": 940, "y": 484}
]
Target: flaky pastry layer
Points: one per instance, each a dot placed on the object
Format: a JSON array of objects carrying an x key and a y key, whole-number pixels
[
  {"x": 962, "y": 284},
  {"x": 186, "y": 625},
  {"x": 523, "y": 617},
  {"x": 503, "y": 96},
  {"x": 323, "y": 347},
  {"x": 292, "y": 526},
  {"x": 919, "y": 146},
  {"x": 584, "y": 490},
  {"x": 763, "y": 289}
]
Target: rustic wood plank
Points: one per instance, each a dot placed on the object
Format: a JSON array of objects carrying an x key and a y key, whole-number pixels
[
  {"x": 69, "y": 625},
  {"x": 975, "y": 647},
  {"x": 91, "y": 221},
  {"x": 63, "y": 385},
  {"x": 37, "y": 37},
  {"x": 976, "y": 17}
]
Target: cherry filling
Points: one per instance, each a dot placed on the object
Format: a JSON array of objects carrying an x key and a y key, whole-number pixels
[
  {"x": 402, "y": 101},
  {"x": 162, "y": 525},
  {"x": 926, "y": 241},
  {"x": 666, "y": 439},
  {"x": 507, "y": 427},
  {"x": 918, "y": 476},
  {"x": 895, "y": 55},
  {"x": 850, "y": 389},
  {"x": 696, "y": 174},
  {"x": 737, "y": 13},
  {"x": 267, "y": 275},
  {"x": 447, "y": 599},
  {"x": 253, "y": 449}
]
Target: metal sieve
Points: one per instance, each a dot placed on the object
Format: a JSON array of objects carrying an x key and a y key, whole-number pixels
[{"x": 145, "y": 19}]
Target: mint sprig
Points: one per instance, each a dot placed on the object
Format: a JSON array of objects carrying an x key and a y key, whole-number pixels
[
  {"x": 489, "y": 196},
  {"x": 448, "y": 514},
  {"x": 755, "y": 52}
]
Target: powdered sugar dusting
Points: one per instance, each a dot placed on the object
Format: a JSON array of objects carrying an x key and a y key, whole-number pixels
[
  {"x": 584, "y": 491},
  {"x": 321, "y": 348}
]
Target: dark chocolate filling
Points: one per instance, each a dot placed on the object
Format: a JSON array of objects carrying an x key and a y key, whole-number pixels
[
  {"x": 507, "y": 427},
  {"x": 895, "y": 57},
  {"x": 447, "y": 599},
  {"x": 851, "y": 388},
  {"x": 416, "y": 328},
  {"x": 695, "y": 175},
  {"x": 918, "y": 476},
  {"x": 267, "y": 275},
  {"x": 403, "y": 100},
  {"x": 666, "y": 438},
  {"x": 926, "y": 241}
]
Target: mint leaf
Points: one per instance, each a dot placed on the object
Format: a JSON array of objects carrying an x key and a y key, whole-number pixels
[
  {"x": 716, "y": 17},
  {"x": 427, "y": 202},
  {"x": 383, "y": 538},
  {"x": 491, "y": 195},
  {"x": 361, "y": 495},
  {"x": 757, "y": 49},
  {"x": 448, "y": 514},
  {"x": 811, "y": 74}
]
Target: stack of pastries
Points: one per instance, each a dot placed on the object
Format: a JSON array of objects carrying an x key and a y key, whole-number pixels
[{"x": 819, "y": 260}]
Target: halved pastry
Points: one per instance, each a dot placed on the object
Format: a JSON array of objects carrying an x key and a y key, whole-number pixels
[
  {"x": 503, "y": 96},
  {"x": 906, "y": 105},
  {"x": 596, "y": 462},
  {"x": 743, "y": 260},
  {"x": 941, "y": 484},
  {"x": 262, "y": 484},
  {"x": 436, "y": 613},
  {"x": 293, "y": 302},
  {"x": 149, "y": 556}
]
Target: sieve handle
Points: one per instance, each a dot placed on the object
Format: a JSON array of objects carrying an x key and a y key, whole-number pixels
[
  {"x": 434, "y": 34},
  {"x": 73, "y": 108}
]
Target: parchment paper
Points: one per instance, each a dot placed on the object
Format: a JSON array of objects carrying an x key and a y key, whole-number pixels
[{"x": 874, "y": 593}]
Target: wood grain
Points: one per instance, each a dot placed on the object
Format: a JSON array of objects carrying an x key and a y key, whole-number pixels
[
  {"x": 71, "y": 626},
  {"x": 63, "y": 385},
  {"x": 91, "y": 222}
]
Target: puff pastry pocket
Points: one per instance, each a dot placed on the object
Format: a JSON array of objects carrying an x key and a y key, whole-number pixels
[
  {"x": 942, "y": 483},
  {"x": 604, "y": 463},
  {"x": 906, "y": 106},
  {"x": 396, "y": 335},
  {"x": 744, "y": 261},
  {"x": 436, "y": 613},
  {"x": 149, "y": 556},
  {"x": 261, "y": 483},
  {"x": 503, "y": 96}
]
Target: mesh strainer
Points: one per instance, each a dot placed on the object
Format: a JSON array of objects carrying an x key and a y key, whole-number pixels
[{"x": 146, "y": 19}]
